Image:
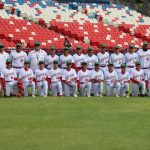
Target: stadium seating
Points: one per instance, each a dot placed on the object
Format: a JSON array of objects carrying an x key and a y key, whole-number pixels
[{"x": 83, "y": 23}]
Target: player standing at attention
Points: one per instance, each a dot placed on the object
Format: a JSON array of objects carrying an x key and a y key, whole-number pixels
[
  {"x": 55, "y": 78},
  {"x": 18, "y": 57},
  {"x": 131, "y": 58},
  {"x": 103, "y": 57},
  {"x": 51, "y": 57},
  {"x": 138, "y": 79},
  {"x": 3, "y": 57},
  {"x": 117, "y": 59},
  {"x": 124, "y": 79},
  {"x": 69, "y": 78},
  {"x": 41, "y": 76},
  {"x": 111, "y": 80},
  {"x": 36, "y": 56},
  {"x": 79, "y": 58},
  {"x": 26, "y": 77},
  {"x": 97, "y": 78},
  {"x": 84, "y": 77},
  {"x": 9, "y": 80},
  {"x": 91, "y": 58},
  {"x": 66, "y": 57}
]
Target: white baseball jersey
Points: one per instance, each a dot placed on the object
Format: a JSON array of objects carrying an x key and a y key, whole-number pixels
[
  {"x": 84, "y": 77},
  {"x": 18, "y": 58},
  {"x": 144, "y": 58},
  {"x": 148, "y": 76},
  {"x": 103, "y": 58},
  {"x": 41, "y": 75},
  {"x": 138, "y": 75},
  {"x": 122, "y": 77},
  {"x": 91, "y": 61},
  {"x": 69, "y": 75},
  {"x": 117, "y": 60},
  {"x": 98, "y": 75},
  {"x": 3, "y": 57},
  {"x": 131, "y": 59},
  {"x": 9, "y": 74},
  {"x": 50, "y": 59},
  {"x": 64, "y": 59},
  {"x": 26, "y": 75},
  {"x": 55, "y": 75},
  {"x": 78, "y": 59},
  {"x": 34, "y": 58},
  {"x": 110, "y": 77}
]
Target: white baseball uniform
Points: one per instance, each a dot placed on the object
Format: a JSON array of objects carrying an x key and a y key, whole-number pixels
[
  {"x": 111, "y": 86},
  {"x": 103, "y": 60},
  {"x": 18, "y": 60},
  {"x": 69, "y": 77},
  {"x": 139, "y": 77},
  {"x": 3, "y": 57},
  {"x": 50, "y": 59},
  {"x": 144, "y": 58},
  {"x": 148, "y": 79},
  {"x": 131, "y": 59},
  {"x": 78, "y": 59},
  {"x": 91, "y": 61},
  {"x": 34, "y": 57},
  {"x": 85, "y": 82},
  {"x": 117, "y": 60},
  {"x": 9, "y": 75},
  {"x": 55, "y": 77},
  {"x": 42, "y": 84},
  {"x": 64, "y": 59},
  {"x": 27, "y": 79},
  {"x": 97, "y": 86},
  {"x": 124, "y": 79}
]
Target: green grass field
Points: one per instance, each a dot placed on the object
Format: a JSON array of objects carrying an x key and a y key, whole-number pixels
[{"x": 75, "y": 123}]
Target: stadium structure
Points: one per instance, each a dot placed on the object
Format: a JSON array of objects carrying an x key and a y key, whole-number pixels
[{"x": 84, "y": 23}]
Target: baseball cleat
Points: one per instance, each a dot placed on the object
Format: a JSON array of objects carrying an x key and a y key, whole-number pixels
[
  {"x": 33, "y": 96},
  {"x": 75, "y": 95},
  {"x": 100, "y": 95}
]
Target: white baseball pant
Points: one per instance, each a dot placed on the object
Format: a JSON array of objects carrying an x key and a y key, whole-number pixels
[
  {"x": 118, "y": 70},
  {"x": 124, "y": 88},
  {"x": 42, "y": 88},
  {"x": 130, "y": 70},
  {"x": 137, "y": 86},
  {"x": 97, "y": 88},
  {"x": 85, "y": 89},
  {"x": 104, "y": 69},
  {"x": 70, "y": 90},
  {"x": 112, "y": 89},
  {"x": 57, "y": 88},
  {"x": 26, "y": 86},
  {"x": 10, "y": 86}
]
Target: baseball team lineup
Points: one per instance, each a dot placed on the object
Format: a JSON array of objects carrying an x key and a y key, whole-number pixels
[{"x": 38, "y": 73}]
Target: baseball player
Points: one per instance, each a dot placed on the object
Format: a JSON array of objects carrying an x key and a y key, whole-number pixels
[
  {"x": 36, "y": 55},
  {"x": 91, "y": 59},
  {"x": 148, "y": 81},
  {"x": 117, "y": 59},
  {"x": 69, "y": 78},
  {"x": 18, "y": 57},
  {"x": 79, "y": 57},
  {"x": 26, "y": 77},
  {"x": 3, "y": 57},
  {"x": 41, "y": 75},
  {"x": 103, "y": 57},
  {"x": 66, "y": 57},
  {"x": 130, "y": 58},
  {"x": 84, "y": 77},
  {"x": 55, "y": 77},
  {"x": 111, "y": 80},
  {"x": 138, "y": 79},
  {"x": 124, "y": 80},
  {"x": 97, "y": 78},
  {"x": 144, "y": 57},
  {"x": 9, "y": 80},
  {"x": 50, "y": 58}
]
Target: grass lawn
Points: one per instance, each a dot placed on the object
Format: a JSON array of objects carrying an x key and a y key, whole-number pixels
[{"x": 75, "y": 123}]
